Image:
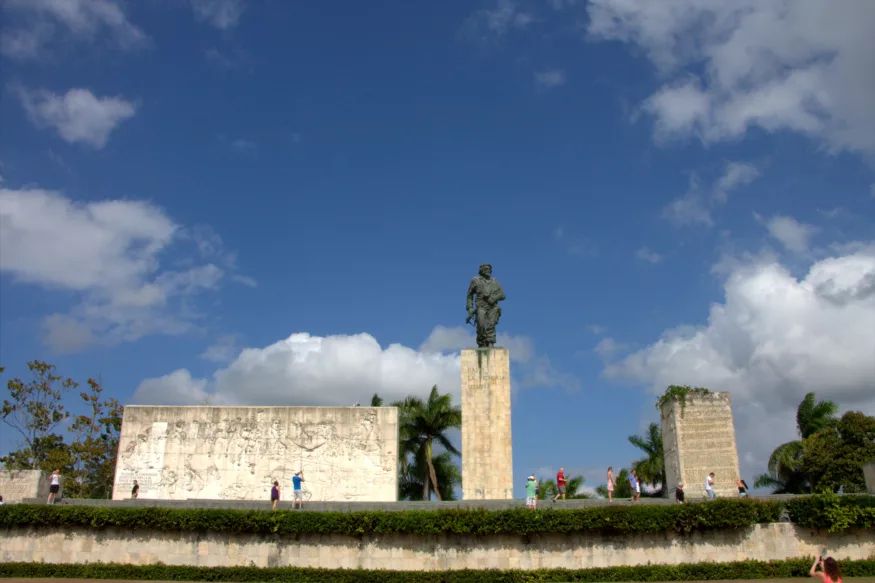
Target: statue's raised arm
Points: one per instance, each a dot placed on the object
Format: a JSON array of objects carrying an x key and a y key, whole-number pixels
[{"x": 484, "y": 293}]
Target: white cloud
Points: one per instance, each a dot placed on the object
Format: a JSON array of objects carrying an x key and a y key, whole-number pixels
[
  {"x": 224, "y": 349},
  {"x": 731, "y": 66},
  {"x": 607, "y": 348},
  {"x": 496, "y": 22},
  {"x": 312, "y": 370},
  {"x": 694, "y": 207},
  {"x": 736, "y": 174},
  {"x": 550, "y": 79},
  {"x": 108, "y": 254},
  {"x": 688, "y": 209},
  {"x": 32, "y": 24},
  {"x": 648, "y": 255},
  {"x": 773, "y": 339},
  {"x": 78, "y": 116},
  {"x": 792, "y": 234},
  {"x": 222, "y": 14},
  {"x": 345, "y": 369}
]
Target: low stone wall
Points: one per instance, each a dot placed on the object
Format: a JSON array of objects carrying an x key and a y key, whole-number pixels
[
  {"x": 18, "y": 485},
  {"x": 430, "y": 553}
]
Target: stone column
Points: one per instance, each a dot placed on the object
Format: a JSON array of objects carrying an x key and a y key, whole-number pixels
[
  {"x": 869, "y": 475},
  {"x": 487, "y": 457},
  {"x": 699, "y": 438}
]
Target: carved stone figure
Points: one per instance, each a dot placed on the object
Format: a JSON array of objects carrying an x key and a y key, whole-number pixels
[{"x": 484, "y": 309}]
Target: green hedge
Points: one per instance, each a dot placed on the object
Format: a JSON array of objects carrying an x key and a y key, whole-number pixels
[
  {"x": 828, "y": 511},
  {"x": 719, "y": 514},
  {"x": 689, "y": 572},
  {"x": 835, "y": 513}
]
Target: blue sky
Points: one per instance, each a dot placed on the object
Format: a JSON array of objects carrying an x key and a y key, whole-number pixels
[{"x": 264, "y": 202}]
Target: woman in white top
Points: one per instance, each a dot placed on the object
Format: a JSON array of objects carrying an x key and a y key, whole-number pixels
[{"x": 54, "y": 486}]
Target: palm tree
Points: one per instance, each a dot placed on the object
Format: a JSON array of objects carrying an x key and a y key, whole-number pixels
[
  {"x": 376, "y": 400},
  {"x": 651, "y": 468},
  {"x": 421, "y": 424},
  {"x": 784, "y": 475},
  {"x": 411, "y": 485}
]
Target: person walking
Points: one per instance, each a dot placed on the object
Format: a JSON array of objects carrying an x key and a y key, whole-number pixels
[
  {"x": 299, "y": 491},
  {"x": 135, "y": 491},
  {"x": 531, "y": 492},
  {"x": 709, "y": 487},
  {"x": 679, "y": 493},
  {"x": 54, "y": 486},
  {"x": 610, "y": 484},
  {"x": 742, "y": 488},
  {"x": 635, "y": 485},
  {"x": 560, "y": 484},
  {"x": 274, "y": 495},
  {"x": 829, "y": 570}
]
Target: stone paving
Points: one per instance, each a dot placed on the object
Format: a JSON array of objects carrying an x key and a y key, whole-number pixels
[{"x": 370, "y": 506}]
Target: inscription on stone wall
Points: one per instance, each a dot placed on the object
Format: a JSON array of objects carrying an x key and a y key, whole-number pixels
[
  {"x": 699, "y": 439},
  {"x": 346, "y": 454},
  {"x": 16, "y": 485}
]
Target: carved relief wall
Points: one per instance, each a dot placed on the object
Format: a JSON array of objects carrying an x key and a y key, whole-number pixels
[{"x": 176, "y": 453}]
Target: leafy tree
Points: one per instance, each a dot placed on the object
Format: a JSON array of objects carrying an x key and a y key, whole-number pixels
[
  {"x": 376, "y": 400},
  {"x": 50, "y": 453},
  {"x": 650, "y": 468},
  {"x": 34, "y": 411},
  {"x": 95, "y": 445},
  {"x": 785, "y": 475},
  {"x": 422, "y": 424},
  {"x": 622, "y": 487},
  {"x": 412, "y": 486},
  {"x": 573, "y": 484},
  {"x": 834, "y": 459}
]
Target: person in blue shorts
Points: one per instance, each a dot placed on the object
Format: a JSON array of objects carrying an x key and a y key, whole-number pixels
[{"x": 299, "y": 492}]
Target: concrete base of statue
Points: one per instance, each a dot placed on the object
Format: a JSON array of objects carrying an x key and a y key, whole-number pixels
[{"x": 487, "y": 456}]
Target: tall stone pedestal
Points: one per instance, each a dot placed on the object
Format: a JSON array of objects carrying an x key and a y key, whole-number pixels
[
  {"x": 487, "y": 458},
  {"x": 699, "y": 438},
  {"x": 869, "y": 475}
]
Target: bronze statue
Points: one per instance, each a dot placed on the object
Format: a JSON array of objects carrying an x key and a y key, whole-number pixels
[{"x": 487, "y": 311}]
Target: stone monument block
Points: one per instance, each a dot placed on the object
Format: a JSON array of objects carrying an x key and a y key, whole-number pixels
[
  {"x": 16, "y": 485},
  {"x": 699, "y": 438},
  {"x": 869, "y": 475},
  {"x": 236, "y": 453},
  {"x": 487, "y": 457}
]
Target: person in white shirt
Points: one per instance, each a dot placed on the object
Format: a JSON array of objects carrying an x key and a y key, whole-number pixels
[
  {"x": 54, "y": 486},
  {"x": 709, "y": 486}
]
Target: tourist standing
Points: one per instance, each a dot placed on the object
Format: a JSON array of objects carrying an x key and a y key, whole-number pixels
[
  {"x": 636, "y": 486},
  {"x": 135, "y": 491},
  {"x": 829, "y": 573},
  {"x": 742, "y": 488},
  {"x": 54, "y": 486},
  {"x": 274, "y": 494},
  {"x": 679, "y": 493},
  {"x": 610, "y": 484},
  {"x": 560, "y": 484},
  {"x": 299, "y": 491},
  {"x": 709, "y": 487},
  {"x": 531, "y": 492}
]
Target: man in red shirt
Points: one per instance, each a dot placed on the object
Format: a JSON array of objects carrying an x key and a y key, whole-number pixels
[{"x": 560, "y": 484}]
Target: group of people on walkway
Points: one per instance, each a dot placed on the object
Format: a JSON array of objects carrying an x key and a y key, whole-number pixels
[{"x": 533, "y": 488}]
